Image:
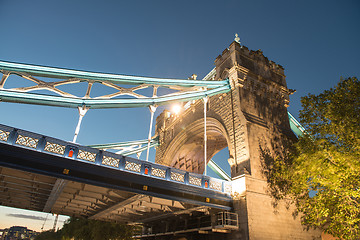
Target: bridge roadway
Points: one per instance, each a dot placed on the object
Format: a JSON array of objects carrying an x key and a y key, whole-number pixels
[{"x": 45, "y": 174}]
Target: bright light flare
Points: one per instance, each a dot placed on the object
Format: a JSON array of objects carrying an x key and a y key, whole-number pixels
[{"x": 176, "y": 109}]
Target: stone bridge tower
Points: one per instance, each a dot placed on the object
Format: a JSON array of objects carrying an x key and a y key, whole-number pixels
[{"x": 252, "y": 114}]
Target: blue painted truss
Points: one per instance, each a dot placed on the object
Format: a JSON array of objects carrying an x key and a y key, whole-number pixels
[
  {"x": 62, "y": 73},
  {"x": 182, "y": 90}
]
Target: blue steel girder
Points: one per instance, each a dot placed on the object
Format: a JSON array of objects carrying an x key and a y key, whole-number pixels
[
  {"x": 295, "y": 126},
  {"x": 128, "y": 148},
  {"x": 124, "y": 144},
  {"x": 62, "y": 73},
  {"x": 45, "y": 155},
  {"x": 186, "y": 90},
  {"x": 57, "y": 101}
]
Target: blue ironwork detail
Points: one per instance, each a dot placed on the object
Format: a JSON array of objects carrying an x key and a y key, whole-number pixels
[
  {"x": 128, "y": 148},
  {"x": 123, "y": 144},
  {"x": 4, "y": 135},
  {"x": 112, "y": 160},
  {"x": 186, "y": 90},
  {"x": 62, "y": 73},
  {"x": 218, "y": 170},
  {"x": 58, "y": 101},
  {"x": 296, "y": 126}
]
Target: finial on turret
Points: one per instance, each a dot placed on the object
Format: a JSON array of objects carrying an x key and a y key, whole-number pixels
[
  {"x": 193, "y": 77},
  {"x": 237, "y": 39}
]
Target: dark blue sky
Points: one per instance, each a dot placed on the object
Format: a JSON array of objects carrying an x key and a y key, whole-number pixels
[{"x": 315, "y": 41}]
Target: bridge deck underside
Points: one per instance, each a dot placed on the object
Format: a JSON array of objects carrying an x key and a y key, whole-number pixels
[
  {"x": 49, "y": 175},
  {"x": 32, "y": 191}
]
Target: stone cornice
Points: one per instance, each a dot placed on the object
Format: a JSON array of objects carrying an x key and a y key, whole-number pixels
[{"x": 256, "y": 56}]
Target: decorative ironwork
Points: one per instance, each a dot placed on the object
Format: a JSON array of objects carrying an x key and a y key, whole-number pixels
[
  {"x": 158, "y": 172},
  {"x": 227, "y": 188},
  {"x": 110, "y": 161},
  {"x": 4, "y": 135},
  {"x": 133, "y": 97},
  {"x": 55, "y": 148},
  {"x": 135, "y": 167},
  {"x": 27, "y": 141},
  {"x": 177, "y": 176},
  {"x": 88, "y": 156},
  {"x": 194, "y": 180},
  {"x": 215, "y": 185}
]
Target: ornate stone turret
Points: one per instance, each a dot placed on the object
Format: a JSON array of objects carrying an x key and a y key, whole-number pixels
[
  {"x": 260, "y": 98},
  {"x": 251, "y": 117}
]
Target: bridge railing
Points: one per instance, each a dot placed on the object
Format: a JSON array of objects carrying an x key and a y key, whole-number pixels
[{"x": 76, "y": 152}]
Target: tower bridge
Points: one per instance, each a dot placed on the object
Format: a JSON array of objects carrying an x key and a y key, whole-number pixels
[{"x": 241, "y": 105}]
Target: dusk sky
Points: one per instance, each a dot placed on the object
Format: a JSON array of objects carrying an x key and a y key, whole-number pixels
[{"x": 316, "y": 42}]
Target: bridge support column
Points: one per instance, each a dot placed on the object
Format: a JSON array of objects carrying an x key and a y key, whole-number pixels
[
  {"x": 259, "y": 100},
  {"x": 251, "y": 117}
]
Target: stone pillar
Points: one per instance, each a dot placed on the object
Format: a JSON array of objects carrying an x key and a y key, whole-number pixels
[{"x": 259, "y": 99}]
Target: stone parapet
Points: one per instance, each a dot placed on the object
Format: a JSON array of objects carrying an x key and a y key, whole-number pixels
[{"x": 253, "y": 61}]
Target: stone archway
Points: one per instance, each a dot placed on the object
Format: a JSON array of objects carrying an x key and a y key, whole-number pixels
[{"x": 186, "y": 150}]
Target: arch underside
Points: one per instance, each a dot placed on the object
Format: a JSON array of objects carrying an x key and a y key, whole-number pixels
[{"x": 186, "y": 150}]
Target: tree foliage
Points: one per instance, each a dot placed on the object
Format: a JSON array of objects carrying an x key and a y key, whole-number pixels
[
  {"x": 85, "y": 229},
  {"x": 320, "y": 173},
  {"x": 49, "y": 235}
]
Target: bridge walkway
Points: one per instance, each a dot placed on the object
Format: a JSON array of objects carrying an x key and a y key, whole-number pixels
[{"x": 45, "y": 174}]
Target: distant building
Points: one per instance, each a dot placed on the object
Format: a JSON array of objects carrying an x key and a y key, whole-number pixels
[{"x": 17, "y": 233}]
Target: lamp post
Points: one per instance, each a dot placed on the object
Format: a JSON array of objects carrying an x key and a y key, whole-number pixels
[{"x": 176, "y": 109}]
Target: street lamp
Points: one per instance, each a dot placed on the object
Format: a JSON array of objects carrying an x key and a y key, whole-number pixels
[{"x": 176, "y": 109}]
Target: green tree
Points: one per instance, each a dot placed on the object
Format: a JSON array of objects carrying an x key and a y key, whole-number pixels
[
  {"x": 320, "y": 173},
  {"x": 49, "y": 235},
  {"x": 86, "y": 229}
]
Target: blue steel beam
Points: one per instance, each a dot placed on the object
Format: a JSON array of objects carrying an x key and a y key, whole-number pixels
[
  {"x": 296, "y": 126},
  {"x": 40, "y": 154},
  {"x": 138, "y": 150},
  {"x": 62, "y": 73},
  {"x": 58, "y": 101},
  {"x": 122, "y": 144},
  {"x": 132, "y": 151},
  {"x": 218, "y": 170}
]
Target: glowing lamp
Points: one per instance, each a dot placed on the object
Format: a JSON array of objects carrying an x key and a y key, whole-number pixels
[{"x": 176, "y": 109}]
